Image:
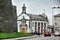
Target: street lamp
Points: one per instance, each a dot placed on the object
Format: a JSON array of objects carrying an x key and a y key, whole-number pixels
[{"x": 53, "y": 14}]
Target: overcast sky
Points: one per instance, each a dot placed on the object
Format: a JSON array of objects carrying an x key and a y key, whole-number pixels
[{"x": 38, "y": 7}]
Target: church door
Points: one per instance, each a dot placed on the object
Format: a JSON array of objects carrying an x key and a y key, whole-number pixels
[{"x": 23, "y": 30}]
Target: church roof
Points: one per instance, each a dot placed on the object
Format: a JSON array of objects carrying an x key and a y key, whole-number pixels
[
  {"x": 37, "y": 17},
  {"x": 34, "y": 17}
]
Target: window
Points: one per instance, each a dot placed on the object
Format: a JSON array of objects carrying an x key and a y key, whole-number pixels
[{"x": 55, "y": 23}]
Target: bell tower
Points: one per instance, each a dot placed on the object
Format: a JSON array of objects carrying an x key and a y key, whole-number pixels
[{"x": 24, "y": 8}]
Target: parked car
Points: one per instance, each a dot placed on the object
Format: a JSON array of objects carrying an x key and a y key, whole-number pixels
[
  {"x": 56, "y": 33},
  {"x": 46, "y": 33}
]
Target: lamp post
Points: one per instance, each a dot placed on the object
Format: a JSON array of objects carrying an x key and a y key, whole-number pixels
[{"x": 53, "y": 15}]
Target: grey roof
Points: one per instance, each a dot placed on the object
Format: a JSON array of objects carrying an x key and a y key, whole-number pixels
[
  {"x": 57, "y": 15},
  {"x": 37, "y": 17}
]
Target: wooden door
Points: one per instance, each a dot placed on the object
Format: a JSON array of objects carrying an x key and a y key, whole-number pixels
[{"x": 23, "y": 30}]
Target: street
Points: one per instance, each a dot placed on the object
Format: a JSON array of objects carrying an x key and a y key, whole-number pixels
[
  {"x": 41, "y": 37},
  {"x": 44, "y": 38}
]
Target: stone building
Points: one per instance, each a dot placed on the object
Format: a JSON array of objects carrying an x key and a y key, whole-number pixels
[
  {"x": 31, "y": 23},
  {"x": 8, "y": 16},
  {"x": 57, "y": 22}
]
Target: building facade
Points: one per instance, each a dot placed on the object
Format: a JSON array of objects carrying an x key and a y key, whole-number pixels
[
  {"x": 8, "y": 16},
  {"x": 31, "y": 23},
  {"x": 57, "y": 22}
]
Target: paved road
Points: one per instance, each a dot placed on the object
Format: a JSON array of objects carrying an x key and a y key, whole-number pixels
[
  {"x": 44, "y": 38},
  {"x": 40, "y": 38}
]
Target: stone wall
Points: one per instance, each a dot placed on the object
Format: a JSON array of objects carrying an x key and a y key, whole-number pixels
[{"x": 8, "y": 16}]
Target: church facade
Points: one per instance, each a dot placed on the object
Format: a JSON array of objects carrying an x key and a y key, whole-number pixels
[{"x": 29, "y": 23}]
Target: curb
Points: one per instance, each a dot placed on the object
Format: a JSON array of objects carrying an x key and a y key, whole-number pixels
[
  {"x": 35, "y": 36},
  {"x": 29, "y": 37}
]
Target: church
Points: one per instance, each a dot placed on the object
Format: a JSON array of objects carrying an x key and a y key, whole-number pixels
[{"x": 29, "y": 23}]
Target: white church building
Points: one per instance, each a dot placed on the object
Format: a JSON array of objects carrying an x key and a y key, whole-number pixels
[{"x": 31, "y": 23}]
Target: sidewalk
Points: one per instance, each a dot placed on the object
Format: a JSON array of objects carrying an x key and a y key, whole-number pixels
[{"x": 35, "y": 36}]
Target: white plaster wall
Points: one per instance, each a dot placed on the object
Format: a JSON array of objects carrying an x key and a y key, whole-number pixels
[
  {"x": 25, "y": 16},
  {"x": 40, "y": 26},
  {"x": 57, "y": 20},
  {"x": 18, "y": 28},
  {"x": 33, "y": 26},
  {"x": 19, "y": 22},
  {"x": 30, "y": 26},
  {"x": 28, "y": 30}
]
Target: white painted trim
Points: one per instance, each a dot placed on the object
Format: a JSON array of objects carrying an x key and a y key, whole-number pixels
[
  {"x": 37, "y": 26},
  {"x": 46, "y": 25},
  {"x": 43, "y": 26},
  {"x": 40, "y": 27}
]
